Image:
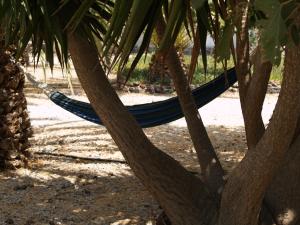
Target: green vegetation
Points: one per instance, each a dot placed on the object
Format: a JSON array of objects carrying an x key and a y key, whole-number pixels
[
  {"x": 276, "y": 74},
  {"x": 141, "y": 72},
  {"x": 213, "y": 70}
]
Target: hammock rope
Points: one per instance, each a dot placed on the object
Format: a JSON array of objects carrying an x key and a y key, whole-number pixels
[{"x": 149, "y": 114}]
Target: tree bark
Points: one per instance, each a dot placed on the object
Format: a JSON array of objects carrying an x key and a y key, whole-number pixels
[
  {"x": 252, "y": 89},
  {"x": 15, "y": 127},
  {"x": 284, "y": 192},
  {"x": 211, "y": 170},
  {"x": 244, "y": 191},
  {"x": 241, "y": 9},
  {"x": 182, "y": 195},
  {"x": 255, "y": 96}
]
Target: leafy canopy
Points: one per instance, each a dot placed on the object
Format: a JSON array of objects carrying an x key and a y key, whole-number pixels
[
  {"x": 276, "y": 25},
  {"x": 47, "y": 23},
  {"x": 118, "y": 24}
]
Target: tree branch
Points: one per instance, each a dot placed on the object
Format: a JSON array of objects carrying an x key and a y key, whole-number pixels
[
  {"x": 182, "y": 195},
  {"x": 242, "y": 48},
  {"x": 211, "y": 169},
  {"x": 247, "y": 184},
  {"x": 254, "y": 99}
]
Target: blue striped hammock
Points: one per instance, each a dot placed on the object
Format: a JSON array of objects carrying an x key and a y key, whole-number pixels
[{"x": 155, "y": 113}]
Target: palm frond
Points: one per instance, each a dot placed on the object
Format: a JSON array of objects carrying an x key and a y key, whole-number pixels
[
  {"x": 137, "y": 19},
  {"x": 47, "y": 23}
]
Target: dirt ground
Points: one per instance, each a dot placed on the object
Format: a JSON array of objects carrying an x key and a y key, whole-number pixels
[{"x": 77, "y": 175}]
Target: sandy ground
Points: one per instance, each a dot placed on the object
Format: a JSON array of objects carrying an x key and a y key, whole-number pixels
[{"x": 78, "y": 177}]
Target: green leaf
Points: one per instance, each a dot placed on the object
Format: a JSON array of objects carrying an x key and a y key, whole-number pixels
[
  {"x": 146, "y": 38},
  {"x": 197, "y": 4},
  {"x": 273, "y": 29},
  {"x": 80, "y": 13},
  {"x": 174, "y": 21},
  {"x": 223, "y": 46},
  {"x": 287, "y": 9},
  {"x": 203, "y": 28},
  {"x": 43, "y": 22}
]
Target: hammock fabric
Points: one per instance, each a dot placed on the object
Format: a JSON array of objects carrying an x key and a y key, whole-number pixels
[{"x": 156, "y": 113}]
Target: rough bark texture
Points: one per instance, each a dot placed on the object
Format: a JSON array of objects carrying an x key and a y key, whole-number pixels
[
  {"x": 15, "y": 125},
  {"x": 241, "y": 10},
  {"x": 247, "y": 184},
  {"x": 283, "y": 193},
  {"x": 252, "y": 89},
  {"x": 159, "y": 71},
  {"x": 255, "y": 97},
  {"x": 211, "y": 169},
  {"x": 182, "y": 195}
]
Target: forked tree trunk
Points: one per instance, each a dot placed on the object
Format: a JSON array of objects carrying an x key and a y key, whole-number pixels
[
  {"x": 284, "y": 192},
  {"x": 15, "y": 125},
  {"x": 183, "y": 196},
  {"x": 246, "y": 186},
  {"x": 282, "y": 197}
]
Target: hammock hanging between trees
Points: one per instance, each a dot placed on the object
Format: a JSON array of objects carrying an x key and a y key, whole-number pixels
[{"x": 149, "y": 114}]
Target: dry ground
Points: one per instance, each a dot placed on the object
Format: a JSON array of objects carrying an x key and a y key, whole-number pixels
[{"x": 77, "y": 176}]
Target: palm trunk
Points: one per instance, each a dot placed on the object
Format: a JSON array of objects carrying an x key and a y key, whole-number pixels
[
  {"x": 183, "y": 196},
  {"x": 158, "y": 69},
  {"x": 15, "y": 125}
]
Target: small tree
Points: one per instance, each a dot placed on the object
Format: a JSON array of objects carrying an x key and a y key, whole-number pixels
[
  {"x": 158, "y": 70},
  {"x": 15, "y": 128},
  {"x": 262, "y": 188}
]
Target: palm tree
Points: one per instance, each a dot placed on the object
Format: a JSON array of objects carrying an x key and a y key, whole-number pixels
[
  {"x": 158, "y": 70},
  {"x": 186, "y": 199},
  {"x": 15, "y": 128}
]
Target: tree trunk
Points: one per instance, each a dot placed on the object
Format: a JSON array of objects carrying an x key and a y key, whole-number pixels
[
  {"x": 284, "y": 192},
  {"x": 255, "y": 96},
  {"x": 15, "y": 125},
  {"x": 159, "y": 71},
  {"x": 244, "y": 191},
  {"x": 211, "y": 169},
  {"x": 183, "y": 196}
]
